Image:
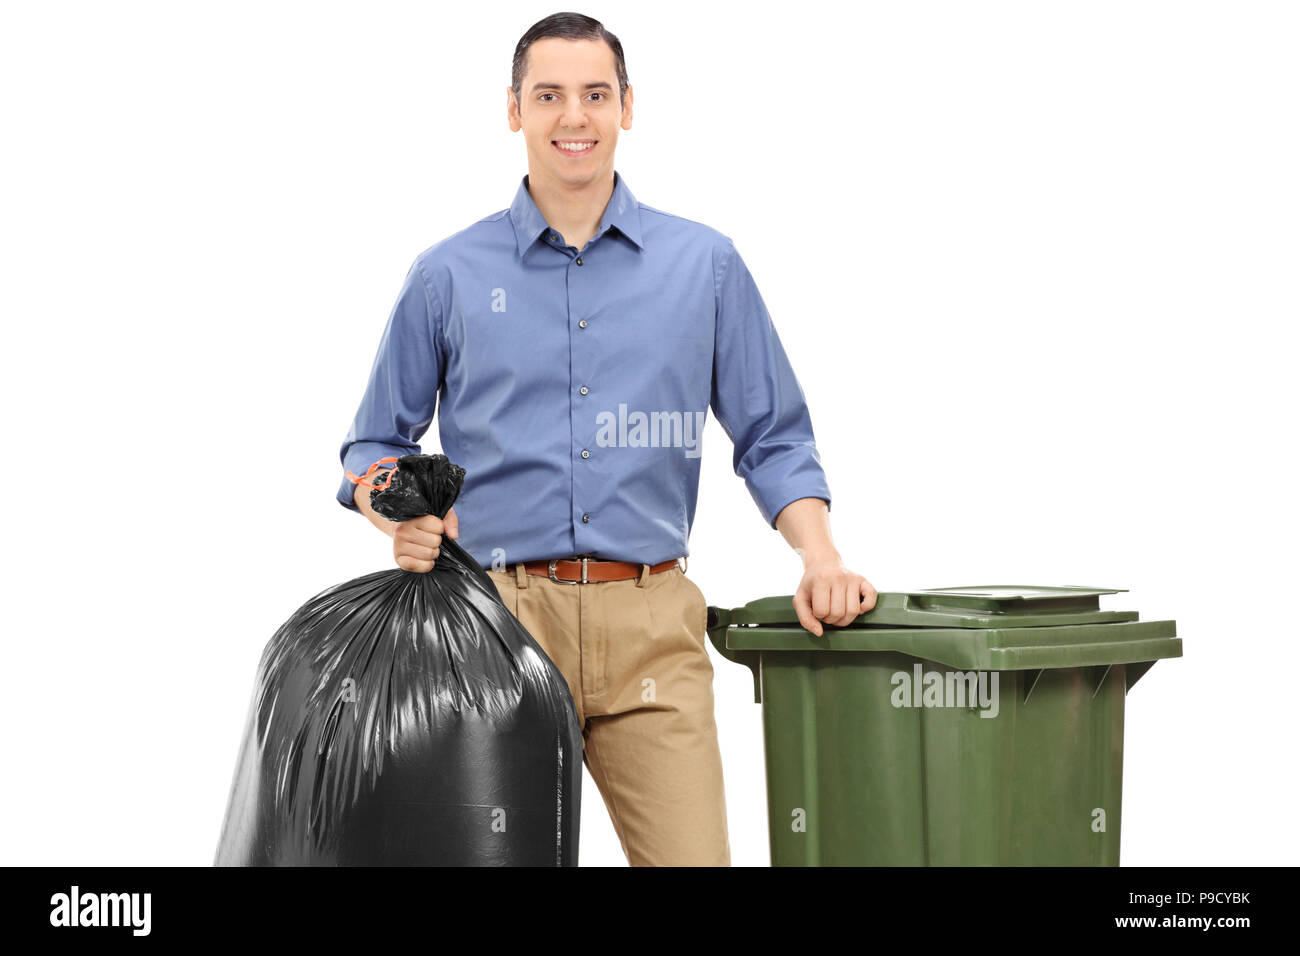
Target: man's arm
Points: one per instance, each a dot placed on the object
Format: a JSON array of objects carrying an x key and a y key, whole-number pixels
[
  {"x": 395, "y": 412},
  {"x": 759, "y": 403},
  {"x": 806, "y": 526},
  {"x": 401, "y": 393},
  {"x": 757, "y": 398}
]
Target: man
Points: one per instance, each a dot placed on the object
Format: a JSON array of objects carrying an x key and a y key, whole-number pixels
[{"x": 577, "y": 340}]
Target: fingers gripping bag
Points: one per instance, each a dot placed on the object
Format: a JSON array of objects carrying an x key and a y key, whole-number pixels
[{"x": 407, "y": 718}]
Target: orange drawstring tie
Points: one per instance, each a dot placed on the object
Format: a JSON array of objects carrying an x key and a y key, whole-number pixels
[{"x": 387, "y": 479}]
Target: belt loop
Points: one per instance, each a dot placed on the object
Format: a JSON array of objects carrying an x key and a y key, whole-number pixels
[
  {"x": 521, "y": 574},
  {"x": 645, "y": 576}
]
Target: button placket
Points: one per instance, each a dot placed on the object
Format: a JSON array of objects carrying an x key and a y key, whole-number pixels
[{"x": 576, "y": 412}]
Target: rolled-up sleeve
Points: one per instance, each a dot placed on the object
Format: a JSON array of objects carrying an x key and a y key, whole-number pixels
[
  {"x": 757, "y": 398},
  {"x": 402, "y": 393}
]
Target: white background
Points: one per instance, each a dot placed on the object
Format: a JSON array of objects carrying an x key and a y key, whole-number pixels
[{"x": 1035, "y": 264}]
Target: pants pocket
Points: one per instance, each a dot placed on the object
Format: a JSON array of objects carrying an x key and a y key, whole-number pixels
[{"x": 700, "y": 609}]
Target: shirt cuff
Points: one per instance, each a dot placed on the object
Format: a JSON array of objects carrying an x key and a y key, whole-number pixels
[
  {"x": 778, "y": 503},
  {"x": 359, "y": 457}
]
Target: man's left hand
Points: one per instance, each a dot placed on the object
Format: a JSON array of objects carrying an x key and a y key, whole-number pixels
[{"x": 832, "y": 593}]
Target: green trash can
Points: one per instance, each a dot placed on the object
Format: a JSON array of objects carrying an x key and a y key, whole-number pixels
[{"x": 955, "y": 726}]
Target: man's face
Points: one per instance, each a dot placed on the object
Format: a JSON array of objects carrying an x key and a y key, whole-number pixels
[{"x": 569, "y": 110}]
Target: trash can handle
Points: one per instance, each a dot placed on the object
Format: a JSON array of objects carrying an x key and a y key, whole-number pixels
[{"x": 717, "y": 623}]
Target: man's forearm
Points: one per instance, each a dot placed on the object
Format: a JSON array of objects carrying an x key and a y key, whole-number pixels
[{"x": 806, "y": 526}]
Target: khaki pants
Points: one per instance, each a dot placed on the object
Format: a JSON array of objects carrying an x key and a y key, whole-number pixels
[{"x": 633, "y": 653}]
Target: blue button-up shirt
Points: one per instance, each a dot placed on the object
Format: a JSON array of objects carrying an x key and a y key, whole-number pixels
[{"x": 573, "y": 385}]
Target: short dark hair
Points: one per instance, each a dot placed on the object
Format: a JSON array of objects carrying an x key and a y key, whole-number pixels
[{"x": 570, "y": 26}]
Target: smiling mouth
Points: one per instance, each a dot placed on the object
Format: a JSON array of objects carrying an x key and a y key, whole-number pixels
[{"x": 574, "y": 147}]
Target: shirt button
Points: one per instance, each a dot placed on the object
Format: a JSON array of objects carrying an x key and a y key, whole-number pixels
[
  {"x": 583, "y": 390},
  {"x": 551, "y": 236},
  {"x": 586, "y": 519},
  {"x": 582, "y": 323},
  {"x": 585, "y": 453},
  {"x": 579, "y": 260}
]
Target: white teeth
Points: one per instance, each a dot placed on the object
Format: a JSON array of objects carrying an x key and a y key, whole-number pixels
[{"x": 575, "y": 147}]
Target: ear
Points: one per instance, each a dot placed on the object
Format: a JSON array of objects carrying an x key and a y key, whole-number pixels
[
  {"x": 513, "y": 116},
  {"x": 626, "y": 122}
]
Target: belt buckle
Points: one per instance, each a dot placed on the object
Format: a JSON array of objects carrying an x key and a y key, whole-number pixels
[{"x": 550, "y": 572}]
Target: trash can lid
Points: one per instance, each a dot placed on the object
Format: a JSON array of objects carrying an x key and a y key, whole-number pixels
[
  {"x": 988, "y": 605},
  {"x": 984, "y": 627}
]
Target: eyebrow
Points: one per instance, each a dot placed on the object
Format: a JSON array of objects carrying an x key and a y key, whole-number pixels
[{"x": 557, "y": 86}]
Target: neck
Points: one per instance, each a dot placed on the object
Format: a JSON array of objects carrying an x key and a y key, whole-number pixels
[{"x": 573, "y": 209}]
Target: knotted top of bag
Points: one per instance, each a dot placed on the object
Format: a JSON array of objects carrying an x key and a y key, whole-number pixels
[{"x": 418, "y": 485}]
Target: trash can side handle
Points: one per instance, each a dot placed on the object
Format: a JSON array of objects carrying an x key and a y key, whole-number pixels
[{"x": 717, "y": 623}]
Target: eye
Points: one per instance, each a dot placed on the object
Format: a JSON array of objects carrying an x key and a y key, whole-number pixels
[{"x": 598, "y": 94}]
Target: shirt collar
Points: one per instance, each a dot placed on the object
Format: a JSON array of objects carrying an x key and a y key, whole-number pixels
[{"x": 622, "y": 212}]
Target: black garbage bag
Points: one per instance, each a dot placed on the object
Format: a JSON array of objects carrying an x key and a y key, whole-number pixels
[{"x": 407, "y": 718}]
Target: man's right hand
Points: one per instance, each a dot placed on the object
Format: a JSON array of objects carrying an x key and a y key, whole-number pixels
[{"x": 417, "y": 542}]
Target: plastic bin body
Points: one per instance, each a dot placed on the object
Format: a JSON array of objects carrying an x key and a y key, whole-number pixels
[{"x": 864, "y": 767}]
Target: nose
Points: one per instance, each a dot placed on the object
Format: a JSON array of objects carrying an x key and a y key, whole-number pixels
[{"x": 575, "y": 115}]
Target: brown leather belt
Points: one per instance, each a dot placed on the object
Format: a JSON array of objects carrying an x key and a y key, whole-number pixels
[{"x": 587, "y": 570}]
